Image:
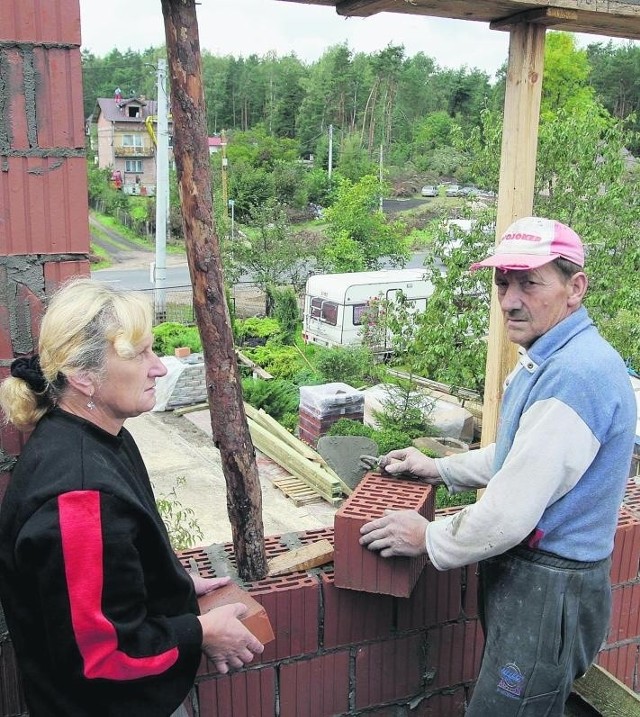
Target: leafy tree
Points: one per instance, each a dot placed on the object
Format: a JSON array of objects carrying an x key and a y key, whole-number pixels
[
  {"x": 267, "y": 252},
  {"x": 359, "y": 236}
]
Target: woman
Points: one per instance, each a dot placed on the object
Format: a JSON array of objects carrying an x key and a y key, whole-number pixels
[{"x": 103, "y": 617}]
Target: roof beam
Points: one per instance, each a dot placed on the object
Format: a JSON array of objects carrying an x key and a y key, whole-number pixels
[
  {"x": 361, "y": 8},
  {"x": 547, "y": 16}
]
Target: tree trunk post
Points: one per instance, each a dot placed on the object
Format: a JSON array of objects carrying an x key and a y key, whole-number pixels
[{"x": 224, "y": 390}]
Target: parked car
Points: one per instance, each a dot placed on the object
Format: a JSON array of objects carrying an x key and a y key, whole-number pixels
[
  {"x": 429, "y": 190},
  {"x": 453, "y": 190},
  {"x": 469, "y": 191}
]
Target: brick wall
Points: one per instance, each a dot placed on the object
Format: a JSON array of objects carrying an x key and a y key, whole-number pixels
[
  {"x": 346, "y": 652},
  {"x": 44, "y": 234}
]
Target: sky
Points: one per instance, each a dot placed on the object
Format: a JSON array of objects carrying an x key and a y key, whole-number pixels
[{"x": 244, "y": 27}]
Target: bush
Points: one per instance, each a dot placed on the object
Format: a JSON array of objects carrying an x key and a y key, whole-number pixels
[
  {"x": 280, "y": 361},
  {"x": 170, "y": 335},
  {"x": 276, "y": 397},
  {"x": 386, "y": 439},
  {"x": 255, "y": 328},
  {"x": 353, "y": 365},
  {"x": 286, "y": 311}
]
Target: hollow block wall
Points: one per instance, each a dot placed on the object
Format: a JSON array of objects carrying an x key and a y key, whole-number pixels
[
  {"x": 44, "y": 235},
  {"x": 349, "y": 652}
]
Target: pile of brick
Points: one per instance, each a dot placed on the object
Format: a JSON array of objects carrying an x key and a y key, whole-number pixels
[{"x": 322, "y": 406}]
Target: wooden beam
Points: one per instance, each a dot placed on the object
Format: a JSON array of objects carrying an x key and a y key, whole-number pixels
[
  {"x": 515, "y": 194},
  {"x": 361, "y": 8},
  {"x": 606, "y": 694},
  {"x": 303, "y": 558},
  {"x": 547, "y": 16}
]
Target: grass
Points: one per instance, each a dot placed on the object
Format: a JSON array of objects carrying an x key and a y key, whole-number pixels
[
  {"x": 113, "y": 224},
  {"x": 104, "y": 262}
]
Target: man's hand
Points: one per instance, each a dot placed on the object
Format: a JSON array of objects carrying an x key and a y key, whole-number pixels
[
  {"x": 225, "y": 640},
  {"x": 411, "y": 460},
  {"x": 398, "y": 532}
]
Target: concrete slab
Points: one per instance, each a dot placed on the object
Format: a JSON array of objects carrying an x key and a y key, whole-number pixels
[{"x": 181, "y": 446}]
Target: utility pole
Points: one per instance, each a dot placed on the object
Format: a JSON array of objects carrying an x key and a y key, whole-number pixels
[
  {"x": 162, "y": 193},
  {"x": 330, "y": 167}
]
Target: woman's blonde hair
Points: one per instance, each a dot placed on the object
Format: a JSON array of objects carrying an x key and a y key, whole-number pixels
[{"x": 82, "y": 319}]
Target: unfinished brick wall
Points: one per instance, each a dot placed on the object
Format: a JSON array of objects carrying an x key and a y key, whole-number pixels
[
  {"x": 44, "y": 235},
  {"x": 346, "y": 652}
]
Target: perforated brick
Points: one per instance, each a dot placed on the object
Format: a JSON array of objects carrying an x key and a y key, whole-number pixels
[
  {"x": 455, "y": 652},
  {"x": 625, "y": 613},
  {"x": 625, "y": 559},
  {"x": 389, "y": 670},
  {"x": 436, "y": 598},
  {"x": 356, "y": 567},
  {"x": 316, "y": 687},
  {"x": 621, "y": 662},
  {"x": 249, "y": 692}
]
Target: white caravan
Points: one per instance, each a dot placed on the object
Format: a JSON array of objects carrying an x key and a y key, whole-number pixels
[{"x": 334, "y": 303}]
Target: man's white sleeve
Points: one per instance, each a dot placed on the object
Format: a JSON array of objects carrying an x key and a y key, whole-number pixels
[{"x": 540, "y": 468}]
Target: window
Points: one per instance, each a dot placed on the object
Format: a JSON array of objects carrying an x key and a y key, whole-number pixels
[
  {"x": 133, "y": 166},
  {"x": 322, "y": 310},
  {"x": 133, "y": 111},
  {"x": 132, "y": 140},
  {"x": 358, "y": 311}
]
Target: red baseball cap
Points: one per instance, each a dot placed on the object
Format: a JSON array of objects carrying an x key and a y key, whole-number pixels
[{"x": 532, "y": 242}]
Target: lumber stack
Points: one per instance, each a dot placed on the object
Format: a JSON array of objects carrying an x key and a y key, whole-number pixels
[{"x": 296, "y": 457}]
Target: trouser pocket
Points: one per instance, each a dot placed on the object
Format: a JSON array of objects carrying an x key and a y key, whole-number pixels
[{"x": 541, "y": 706}]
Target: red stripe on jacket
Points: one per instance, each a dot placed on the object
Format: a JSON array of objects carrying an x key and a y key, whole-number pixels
[{"x": 82, "y": 548}]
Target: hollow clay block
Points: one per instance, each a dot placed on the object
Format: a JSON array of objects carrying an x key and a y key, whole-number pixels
[{"x": 256, "y": 619}]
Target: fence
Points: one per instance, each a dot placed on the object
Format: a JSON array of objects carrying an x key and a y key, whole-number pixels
[{"x": 247, "y": 298}]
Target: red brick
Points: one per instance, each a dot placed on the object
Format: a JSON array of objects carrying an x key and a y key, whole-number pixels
[
  {"x": 631, "y": 499},
  {"x": 625, "y": 559},
  {"x": 621, "y": 662},
  {"x": 60, "y": 124},
  {"x": 352, "y": 617},
  {"x": 39, "y": 217},
  {"x": 17, "y": 113},
  {"x": 389, "y": 670},
  {"x": 625, "y": 613},
  {"x": 436, "y": 598},
  {"x": 57, "y": 272},
  {"x": 470, "y": 591},
  {"x": 317, "y": 687},
  {"x": 41, "y": 21},
  {"x": 450, "y": 704},
  {"x": 249, "y": 693},
  {"x": 292, "y": 603},
  {"x": 358, "y": 568},
  {"x": 455, "y": 652}
]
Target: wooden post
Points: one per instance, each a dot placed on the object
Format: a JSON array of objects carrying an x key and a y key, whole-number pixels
[
  {"x": 515, "y": 195},
  {"x": 228, "y": 420}
]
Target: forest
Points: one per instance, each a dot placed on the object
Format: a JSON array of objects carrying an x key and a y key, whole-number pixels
[{"x": 429, "y": 125}]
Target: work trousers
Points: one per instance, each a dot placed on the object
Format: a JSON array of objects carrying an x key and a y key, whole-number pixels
[{"x": 544, "y": 619}]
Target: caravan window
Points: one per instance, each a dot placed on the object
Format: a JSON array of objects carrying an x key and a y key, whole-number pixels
[
  {"x": 358, "y": 311},
  {"x": 323, "y": 310}
]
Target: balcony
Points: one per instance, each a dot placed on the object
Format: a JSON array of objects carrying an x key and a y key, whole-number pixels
[{"x": 132, "y": 152}]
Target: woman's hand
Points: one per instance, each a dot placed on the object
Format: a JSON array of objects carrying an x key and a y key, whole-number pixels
[{"x": 225, "y": 640}]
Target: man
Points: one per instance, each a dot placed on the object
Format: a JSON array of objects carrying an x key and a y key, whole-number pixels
[{"x": 543, "y": 529}]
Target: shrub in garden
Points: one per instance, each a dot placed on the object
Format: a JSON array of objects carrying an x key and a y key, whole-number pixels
[
  {"x": 255, "y": 328},
  {"x": 276, "y": 397},
  {"x": 354, "y": 365},
  {"x": 170, "y": 335},
  {"x": 280, "y": 361}
]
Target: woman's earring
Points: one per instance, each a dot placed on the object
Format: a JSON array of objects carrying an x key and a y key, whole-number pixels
[{"x": 90, "y": 404}]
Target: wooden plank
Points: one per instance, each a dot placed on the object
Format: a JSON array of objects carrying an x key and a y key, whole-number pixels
[
  {"x": 615, "y": 18},
  {"x": 277, "y": 430},
  {"x": 303, "y": 558},
  {"x": 257, "y": 370},
  {"x": 515, "y": 193},
  {"x": 548, "y": 16},
  {"x": 297, "y": 492},
  {"x": 311, "y": 473},
  {"x": 606, "y": 694}
]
